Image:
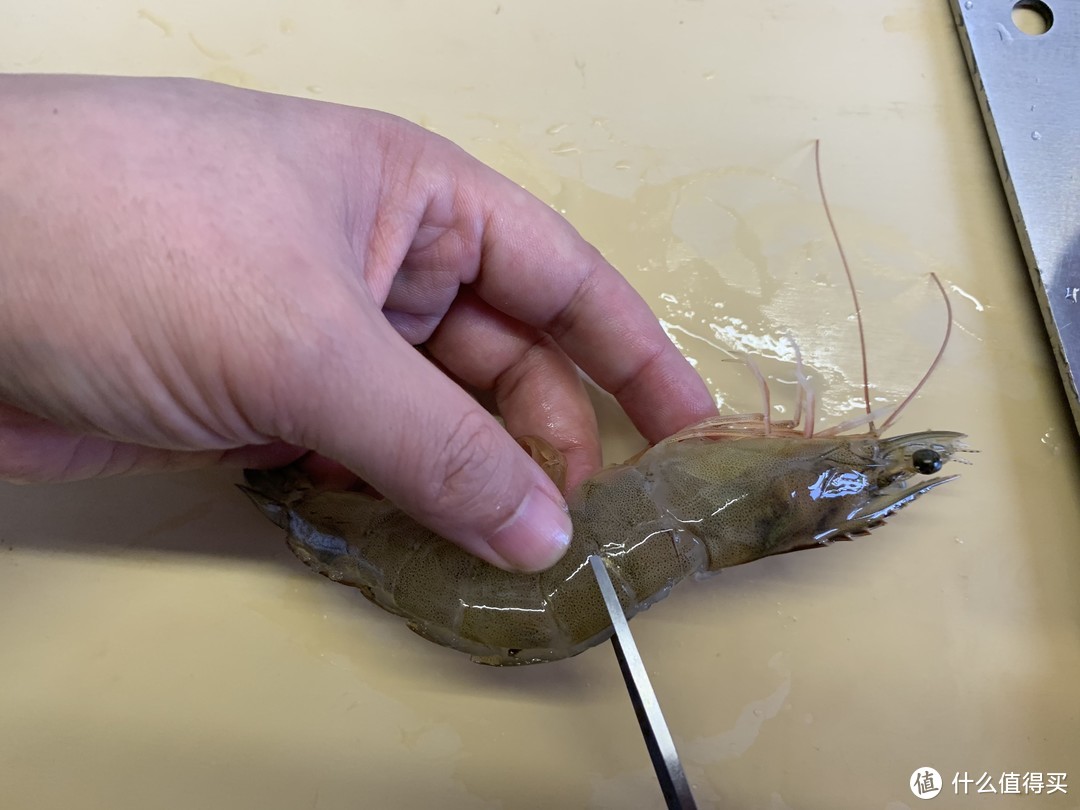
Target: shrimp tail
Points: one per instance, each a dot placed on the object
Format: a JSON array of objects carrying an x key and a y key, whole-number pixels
[{"x": 274, "y": 492}]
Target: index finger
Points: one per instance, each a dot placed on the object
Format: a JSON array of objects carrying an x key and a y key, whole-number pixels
[{"x": 535, "y": 267}]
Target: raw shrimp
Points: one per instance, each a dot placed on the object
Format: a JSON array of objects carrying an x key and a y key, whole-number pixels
[{"x": 721, "y": 493}]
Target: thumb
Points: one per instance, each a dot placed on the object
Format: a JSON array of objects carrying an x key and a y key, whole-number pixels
[{"x": 412, "y": 433}]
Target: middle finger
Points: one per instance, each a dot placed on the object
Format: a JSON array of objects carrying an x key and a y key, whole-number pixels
[{"x": 537, "y": 388}]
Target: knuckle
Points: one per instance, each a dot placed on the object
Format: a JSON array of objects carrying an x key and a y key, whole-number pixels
[{"x": 469, "y": 473}]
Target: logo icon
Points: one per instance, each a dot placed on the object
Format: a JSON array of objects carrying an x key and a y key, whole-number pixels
[{"x": 925, "y": 783}]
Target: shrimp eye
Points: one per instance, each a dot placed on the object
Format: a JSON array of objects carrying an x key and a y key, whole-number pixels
[{"x": 926, "y": 461}]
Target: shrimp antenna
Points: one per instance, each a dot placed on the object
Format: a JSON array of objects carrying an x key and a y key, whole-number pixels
[
  {"x": 937, "y": 358},
  {"x": 850, "y": 281}
]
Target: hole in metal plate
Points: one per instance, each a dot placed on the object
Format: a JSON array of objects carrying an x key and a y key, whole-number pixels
[{"x": 1032, "y": 17}]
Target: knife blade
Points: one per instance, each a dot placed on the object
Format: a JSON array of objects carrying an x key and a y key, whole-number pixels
[{"x": 665, "y": 759}]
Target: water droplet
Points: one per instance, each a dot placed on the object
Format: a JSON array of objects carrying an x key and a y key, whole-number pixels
[
  {"x": 1048, "y": 439},
  {"x": 709, "y": 76},
  {"x": 555, "y": 129},
  {"x": 567, "y": 148},
  {"x": 969, "y": 5},
  {"x": 622, "y": 165},
  {"x": 314, "y": 89},
  {"x": 1036, "y": 135}
]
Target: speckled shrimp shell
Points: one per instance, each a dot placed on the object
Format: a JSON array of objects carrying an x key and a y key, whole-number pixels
[{"x": 689, "y": 505}]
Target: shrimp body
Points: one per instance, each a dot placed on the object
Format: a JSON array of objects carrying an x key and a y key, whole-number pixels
[
  {"x": 721, "y": 493},
  {"x": 710, "y": 497}
]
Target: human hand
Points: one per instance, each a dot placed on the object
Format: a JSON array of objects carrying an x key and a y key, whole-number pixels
[{"x": 193, "y": 274}]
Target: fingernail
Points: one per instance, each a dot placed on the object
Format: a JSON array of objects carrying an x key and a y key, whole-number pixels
[{"x": 536, "y": 536}]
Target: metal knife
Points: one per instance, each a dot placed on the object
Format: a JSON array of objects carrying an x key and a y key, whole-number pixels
[{"x": 665, "y": 758}]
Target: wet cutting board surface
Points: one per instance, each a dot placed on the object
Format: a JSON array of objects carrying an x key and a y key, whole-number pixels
[{"x": 163, "y": 649}]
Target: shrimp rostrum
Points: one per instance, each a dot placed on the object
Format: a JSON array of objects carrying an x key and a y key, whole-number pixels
[{"x": 721, "y": 493}]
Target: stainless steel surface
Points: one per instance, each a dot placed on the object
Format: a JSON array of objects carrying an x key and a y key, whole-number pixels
[
  {"x": 665, "y": 759},
  {"x": 1030, "y": 99}
]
